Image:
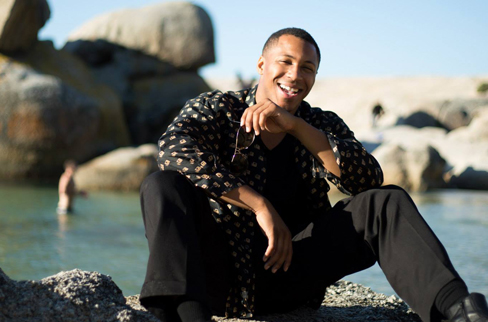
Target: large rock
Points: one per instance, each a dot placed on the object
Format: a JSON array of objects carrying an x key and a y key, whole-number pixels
[
  {"x": 475, "y": 132},
  {"x": 179, "y": 33},
  {"x": 79, "y": 296},
  {"x": 152, "y": 91},
  {"x": 419, "y": 119},
  {"x": 457, "y": 113},
  {"x": 20, "y": 21},
  {"x": 156, "y": 101},
  {"x": 121, "y": 169},
  {"x": 117, "y": 66},
  {"x": 467, "y": 151},
  {"x": 73, "y": 296},
  {"x": 409, "y": 156},
  {"x": 414, "y": 168},
  {"x": 53, "y": 109}
]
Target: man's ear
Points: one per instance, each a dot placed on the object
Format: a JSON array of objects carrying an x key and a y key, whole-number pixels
[{"x": 260, "y": 66}]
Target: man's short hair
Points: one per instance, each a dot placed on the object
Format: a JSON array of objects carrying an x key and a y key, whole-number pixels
[{"x": 297, "y": 32}]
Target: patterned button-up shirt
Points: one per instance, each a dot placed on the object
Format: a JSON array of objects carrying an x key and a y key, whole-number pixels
[{"x": 200, "y": 142}]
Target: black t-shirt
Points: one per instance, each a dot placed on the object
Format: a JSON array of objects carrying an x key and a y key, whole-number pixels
[{"x": 283, "y": 187}]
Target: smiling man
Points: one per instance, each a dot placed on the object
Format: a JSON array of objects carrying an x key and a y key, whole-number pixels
[{"x": 239, "y": 222}]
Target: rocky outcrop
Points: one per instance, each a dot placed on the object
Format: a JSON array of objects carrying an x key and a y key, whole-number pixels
[
  {"x": 73, "y": 296},
  {"x": 417, "y": 168},
  {"x": 150, "y": 61},
  {"x": 53, "y": 109},
  {"x": 122, "y": 169},
  {"x": 428, "y": 158},
  {"x": 152, "y": 91},
  {"x": 79, "y": 296},
  {"x": 20, "y": 22},
  {"x": 94, "y": 96},
  {"x": 178, "y": 33}
]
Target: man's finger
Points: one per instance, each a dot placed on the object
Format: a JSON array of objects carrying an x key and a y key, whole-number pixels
[
  {"x": 289, "y": 256},
  {"x": 280, "y": 256},
  {"x": 270, "y": 250}
]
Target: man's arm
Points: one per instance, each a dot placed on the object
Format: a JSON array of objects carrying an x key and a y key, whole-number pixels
[
  {"x": 279, "y": 252},
  {"x": 317, "y": 143},
  {"x": 347, "y": 164},
  {"x": 267, "y": 116}
]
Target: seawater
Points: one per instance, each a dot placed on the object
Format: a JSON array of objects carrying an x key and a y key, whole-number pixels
[{"x": 106, "y": 234}]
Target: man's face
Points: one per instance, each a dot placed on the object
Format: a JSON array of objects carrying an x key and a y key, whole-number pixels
[{"x": 287, "y": 70}]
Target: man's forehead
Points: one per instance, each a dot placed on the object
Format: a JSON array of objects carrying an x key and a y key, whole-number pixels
[{"x": 285, "y": 43}]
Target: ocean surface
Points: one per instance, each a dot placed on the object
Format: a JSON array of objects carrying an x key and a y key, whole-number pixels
[{"x": 106, "y": 234}]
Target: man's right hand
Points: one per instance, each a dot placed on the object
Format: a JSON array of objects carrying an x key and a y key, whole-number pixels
[{"x": 280, "y": 251}]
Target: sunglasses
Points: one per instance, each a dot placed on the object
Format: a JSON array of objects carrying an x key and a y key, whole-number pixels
[{"x": 244, "y": 139}]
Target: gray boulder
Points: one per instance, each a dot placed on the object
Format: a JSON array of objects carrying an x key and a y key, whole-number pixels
[
  {"x": 459, "y": 112},
  {"x": 152, "y": 91},
  {"x": 155, "y": 101},
  {"x": 20, "y": 22},
  {"x": 79, "y": 296},
  {"x": 418, "y": 168},
  {"x": 53, "y": 109},
  {"x": 68, "y": 296},
  {"x": 117, "y": 66},
  {"x": 179, "y": 33},
  {"x": 419, "y": 119},
  {"x": 122, "y": 169},
  {"x": 475, "y": 132},
  {"x": 466, "y": 149}
]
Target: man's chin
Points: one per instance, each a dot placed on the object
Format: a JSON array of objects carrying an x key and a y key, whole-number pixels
[{"x": 290, "y": 106}]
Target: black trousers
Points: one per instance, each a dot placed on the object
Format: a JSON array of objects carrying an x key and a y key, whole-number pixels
[{"x": 188, "y": 254}]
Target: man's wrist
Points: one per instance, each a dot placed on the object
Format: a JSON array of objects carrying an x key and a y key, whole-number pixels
[{"x": 297, "y": 127}]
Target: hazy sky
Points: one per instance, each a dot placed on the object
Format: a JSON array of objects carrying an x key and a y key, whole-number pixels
[{"x": 356, "y": 37}]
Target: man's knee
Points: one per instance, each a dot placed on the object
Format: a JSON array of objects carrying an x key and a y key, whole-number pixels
[
  {"x": 162, "y": 182},
  {"x": 388, "y": 193}
]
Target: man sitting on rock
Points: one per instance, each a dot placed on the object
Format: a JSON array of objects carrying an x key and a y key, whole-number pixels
[{"x": 239, "y": 222}]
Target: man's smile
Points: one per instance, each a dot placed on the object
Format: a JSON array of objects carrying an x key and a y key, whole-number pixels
[{"x": 289, "y": 91}]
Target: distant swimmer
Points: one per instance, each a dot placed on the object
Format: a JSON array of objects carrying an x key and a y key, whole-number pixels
[
  {"x": 67, "y": 188},
  {"x": 377, "y": 112}
]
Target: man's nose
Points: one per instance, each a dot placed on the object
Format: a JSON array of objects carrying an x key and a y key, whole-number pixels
[{"x": 293, "y": 72}]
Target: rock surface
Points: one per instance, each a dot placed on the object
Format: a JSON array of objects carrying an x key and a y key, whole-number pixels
[
  {"x": 94, "y": 96},
  {"x": 20, "y": 22},
  {"x": 79, "y": 296},
  {"x": 53, "y": 109},
  {"x": 179, "y": 33},
  {"x": 152, "y": 91},
  {"x": 122, "y": 169},
  {"x": 73, "y": 296}
]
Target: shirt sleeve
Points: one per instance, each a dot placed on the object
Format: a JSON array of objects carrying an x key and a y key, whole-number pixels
[
  {"x": 191, "y": 146},
  {"x": 359, "y": 169}
]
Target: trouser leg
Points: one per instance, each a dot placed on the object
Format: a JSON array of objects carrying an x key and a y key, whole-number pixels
[
  {"x": 413, "y": 259},
  {"x": 381, "y": 225},
  {"x": 183, "y": 241}
]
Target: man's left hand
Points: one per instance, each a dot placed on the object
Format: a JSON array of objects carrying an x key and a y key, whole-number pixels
[{"x": 267, "y": 116}]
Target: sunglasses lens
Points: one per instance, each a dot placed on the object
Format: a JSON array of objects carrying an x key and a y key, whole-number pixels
[
  {"x": 244, "y": 139},
  {"x": 239, "y": 164}
]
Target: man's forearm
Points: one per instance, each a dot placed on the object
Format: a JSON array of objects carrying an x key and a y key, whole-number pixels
[
  {"x": 245, "y": 197},
  {"x": 317, "y": 143}
]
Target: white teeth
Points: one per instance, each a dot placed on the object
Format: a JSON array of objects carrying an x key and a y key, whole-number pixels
[{"x": 294, "y": 90}]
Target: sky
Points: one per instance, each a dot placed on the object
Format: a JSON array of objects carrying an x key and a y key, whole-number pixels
[{"x": 357, "y": 38}]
